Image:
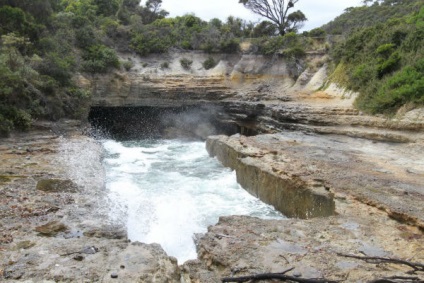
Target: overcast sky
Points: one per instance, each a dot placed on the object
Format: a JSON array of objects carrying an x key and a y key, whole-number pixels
[{"x": 317, "y": 12}]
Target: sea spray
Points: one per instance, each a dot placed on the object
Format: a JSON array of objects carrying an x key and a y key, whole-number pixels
[{"x": 165, "y": 191}]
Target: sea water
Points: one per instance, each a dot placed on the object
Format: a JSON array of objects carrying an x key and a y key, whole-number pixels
[{"x": 166, "y": 191}]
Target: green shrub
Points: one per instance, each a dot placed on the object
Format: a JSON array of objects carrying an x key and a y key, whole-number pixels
[
  {"x": 5, "y": 126},
  {"x": 264, "y": 28},
  {"x": 230, "y": 46},
  {"x": 209, "y": 63},
  {"x": 406, "y": 85},
  {"x": 164, "y": 65},
  {"x": 99, "y": 58},
  {"x": 294, "y": 52},
  {"x": 186, "y": 63},
  {"x": 385, "y": 49},
  {"x": 361, "y": 75},
  {"x": 59, "y": 67},
  {"x": 316, "y": 32},
  {"x": 389, "y": 65},
  {"x": 22, "y": 120},
  {"x": 152, "y": 41},
  {"x": 79, "y": 92},
  {"x": 85, "y": 37},
  {"x": 382, "y": 62},
  {"x": 127, "y": 65}
]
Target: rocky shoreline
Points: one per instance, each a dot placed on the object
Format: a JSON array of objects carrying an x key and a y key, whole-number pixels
[
  {"x": 54, "y": 220},
  {"x": 354, "y": 182},
  {"x": 55, "y": 225}
]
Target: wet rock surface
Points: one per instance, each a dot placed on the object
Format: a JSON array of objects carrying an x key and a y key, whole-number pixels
[
  {"x": 379, "y": 208},
  {"x": 375, "y": 173},
  {"x": 376, "y": 189},
  {"x": 53, "y": 215}
]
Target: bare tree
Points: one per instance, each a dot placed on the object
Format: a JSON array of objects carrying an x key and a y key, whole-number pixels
[{"x": 277, "y": 11}]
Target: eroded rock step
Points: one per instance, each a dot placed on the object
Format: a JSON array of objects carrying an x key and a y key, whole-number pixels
[{"x": 279, "y": 168}]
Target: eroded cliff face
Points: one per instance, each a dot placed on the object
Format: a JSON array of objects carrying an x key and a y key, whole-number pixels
[
  {"x": 258, "y": 94},
  {"x": 149, "y": 83}
]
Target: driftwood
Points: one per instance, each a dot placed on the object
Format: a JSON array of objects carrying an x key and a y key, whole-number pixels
[
  {"x": 272, "y": 276},
  {"x": 398, "y": 279},
  {"x": 418, "y": 267}
]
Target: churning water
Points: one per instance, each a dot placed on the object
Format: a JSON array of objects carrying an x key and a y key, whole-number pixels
[{"x": 165, "y": 191}]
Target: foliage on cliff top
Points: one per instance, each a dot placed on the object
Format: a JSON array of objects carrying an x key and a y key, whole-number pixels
[
  {"x": 385, "y": 61},
  {"x": 378, "y": 11}
]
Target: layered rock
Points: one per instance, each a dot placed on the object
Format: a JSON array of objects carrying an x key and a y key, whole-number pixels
[
  {"x": 258, "y": 172},
  {"x": 299, "y": 173},
  {"x": 259, "y": 94}
]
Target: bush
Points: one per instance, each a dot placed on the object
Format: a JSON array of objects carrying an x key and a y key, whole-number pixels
[
  {"x": 264, "y": 28},
  {"x": 294, "y": 52},
  {"x": 406, "y": 85},
  {"x": 85, "y": 37},
  {"x": 361, "y": 75},
  {"x": 382, "y": 63},
  {"x": 209, "y": 63},
  {"x": 127, "y": 65},
  {"x": 22, "y": 120},
  {"x": 152, "y": 41},
  {"x": 5, "y": 126},
  {"x": 186, "y": 63},
  {"x": 99, "y": 58},
  {"x": 13, "y": 118},
  {"x": 164, "y": 65},
  {"x": 230, "y": 46},
  {"x": 58, "y": 67},
  {"x": 316, "y": 32}
]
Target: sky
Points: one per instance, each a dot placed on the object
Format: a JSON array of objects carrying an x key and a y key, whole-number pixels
[{"x": 317, "y": 12}]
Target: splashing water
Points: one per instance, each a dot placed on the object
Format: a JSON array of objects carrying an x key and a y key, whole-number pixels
[{"x": 166, "y": 191}]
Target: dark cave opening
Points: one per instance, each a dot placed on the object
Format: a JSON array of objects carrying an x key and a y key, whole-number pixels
[{"x": 190, "y": 122}]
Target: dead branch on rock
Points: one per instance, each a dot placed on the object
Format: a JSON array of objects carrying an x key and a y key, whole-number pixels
[
  {"x": 376, "y": 260},
  {"x": 273, "y": 276},
  {"x": 398, "y": 279}
]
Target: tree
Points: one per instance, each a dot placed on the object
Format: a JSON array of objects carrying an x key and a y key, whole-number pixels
[
  {"x": 277, "y": 12},
  {"x": 152, "y": 11}
]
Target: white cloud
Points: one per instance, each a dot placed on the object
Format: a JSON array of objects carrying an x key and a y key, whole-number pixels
[{"x": 317, "y": 12}]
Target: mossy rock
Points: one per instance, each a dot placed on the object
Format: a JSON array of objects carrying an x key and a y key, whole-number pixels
[
  {"x": 9, "y": 178},
  {"x": 24, "y": 245},
  {"x": 56, "y": 186},
  {"x": 5, "y": 179},
  {"x": 51, "y": 229}
]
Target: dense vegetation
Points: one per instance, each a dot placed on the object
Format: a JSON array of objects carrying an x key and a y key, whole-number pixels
[
  {"x": 46, "y": 43},
  {"x": 384, "y": 60}
]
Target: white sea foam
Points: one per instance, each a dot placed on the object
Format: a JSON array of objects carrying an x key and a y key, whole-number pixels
[{"x": 166, "y": 191}]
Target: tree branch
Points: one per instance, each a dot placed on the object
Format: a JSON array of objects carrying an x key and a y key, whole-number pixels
[
  {"x": 276, "y": 276},
  {"x": 398, "y": 279},
  {"x": 415, "y": 265}
]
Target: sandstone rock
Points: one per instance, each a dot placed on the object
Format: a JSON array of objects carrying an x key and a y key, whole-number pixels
[{"x": 285, "y": 191}]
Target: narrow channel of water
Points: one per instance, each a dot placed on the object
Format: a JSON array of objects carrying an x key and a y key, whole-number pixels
[{"x": 165, "y": 191}]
